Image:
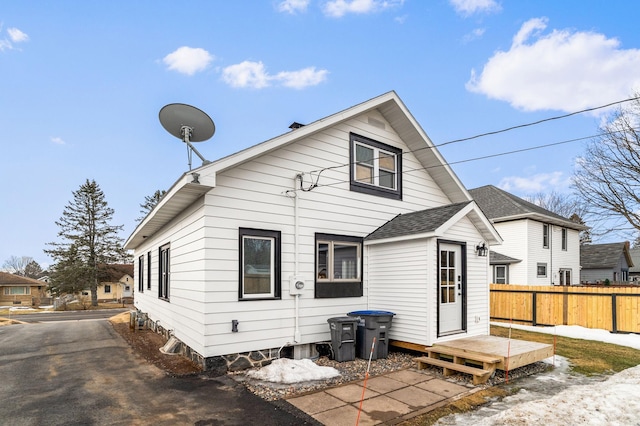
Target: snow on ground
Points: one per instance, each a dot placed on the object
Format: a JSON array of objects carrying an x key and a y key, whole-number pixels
[
  {"x": 284, "y": 370},
  {"x": 559, "y": 398}
]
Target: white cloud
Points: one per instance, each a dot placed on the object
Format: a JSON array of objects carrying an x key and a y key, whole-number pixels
[
  {"x": 563, "y": 70},
  {"x": 541, "y": 182},
  {"x": 293, "y": 6},
  {"x": 57, "y": 140},
  {"x": 188, "y": 60},
  {"x": 254, "y": 75},
  {"x": 16, "y": 35},
  {"x": 469, "y": 7},
  {"x": 246, "y": 74},
  {"x": 303, "y": 78},
  {"x": 339, "y": 8}
]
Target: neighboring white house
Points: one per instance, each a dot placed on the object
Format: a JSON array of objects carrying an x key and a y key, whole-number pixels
[
  {"x": 359, "y": 207},
  {"x": 539, "y": 247}
]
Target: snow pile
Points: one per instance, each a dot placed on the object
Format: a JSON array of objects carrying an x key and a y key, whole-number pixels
[
  {"x": 577, "y": 332},
  {"x": 286, "y": 370},
  {"x": 615, "y": 401}
]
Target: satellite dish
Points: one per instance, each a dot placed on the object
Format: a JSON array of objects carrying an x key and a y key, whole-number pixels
[{"x": 188, "y": 124}]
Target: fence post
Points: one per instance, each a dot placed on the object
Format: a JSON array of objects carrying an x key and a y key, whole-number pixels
[
  {"x": 614, "y": 313},
  {"x": 534, "y": 308}
]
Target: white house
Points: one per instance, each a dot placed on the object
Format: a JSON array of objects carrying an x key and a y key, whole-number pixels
[
  {"x": 539, "y": 247},
  {"x": 358, "y": 209}
]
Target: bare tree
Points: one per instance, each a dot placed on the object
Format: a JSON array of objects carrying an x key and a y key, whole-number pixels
[
  {"x": 567, "y": 206},
  {"x": 17, "y": 265},
  {"x": 607, "y": 177}
]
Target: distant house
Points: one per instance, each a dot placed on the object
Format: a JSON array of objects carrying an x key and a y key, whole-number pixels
[
  {"x": 17, "y": 290},
  {"x": 539, "y": 247},
  {"x": 634, "y": 271},
  {"x": 116, "y": 283},
  {"x": 254, "y": 252},
  {"x": 602, "y": 262}
]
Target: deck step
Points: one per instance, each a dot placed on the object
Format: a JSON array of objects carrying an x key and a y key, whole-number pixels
[
  {"x": 448, "y": 368},
  {"x": 484, "y": 359}
]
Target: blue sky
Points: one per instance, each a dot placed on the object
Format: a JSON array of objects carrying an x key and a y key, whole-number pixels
[{"x": 81, "y": 85}]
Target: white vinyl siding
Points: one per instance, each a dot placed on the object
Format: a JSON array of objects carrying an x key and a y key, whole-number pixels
[{"x": 205, "y": 253}]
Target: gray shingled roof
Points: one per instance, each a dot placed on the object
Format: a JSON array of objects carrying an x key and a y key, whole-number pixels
[
  {"x": 635, "y": 257},
  {"x": 416, "y": 222},
  {"x": 602, "y": 256},
  {"x": 496, "y": 258},
  {"x": 498, "y": 204}
]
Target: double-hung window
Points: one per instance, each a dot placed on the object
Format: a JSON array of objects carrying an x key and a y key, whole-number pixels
[
  {"x": 541, "y": 270},
  {"x": 338, "y": 266},
  {"x": 545, "y": 235},
  {"x": 141, "y": 272},
  {"x": 107, "y": 288},
  {"x": 376, "y": 168},
  {"x": 164, "y": 272},
  {"x": 564, "y": 239},
  {"x": 259, "y": 264}
]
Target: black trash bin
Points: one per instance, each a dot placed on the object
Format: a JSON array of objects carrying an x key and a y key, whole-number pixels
[
  {"x": 372, "y": 324},
  {"x": 343, "y": 337}
]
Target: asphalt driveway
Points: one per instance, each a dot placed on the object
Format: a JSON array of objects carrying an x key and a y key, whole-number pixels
[{"x": 84, "y": 373}]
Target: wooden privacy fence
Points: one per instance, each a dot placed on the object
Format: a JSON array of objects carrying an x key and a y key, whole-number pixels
[{"x": 616, "y": 309}]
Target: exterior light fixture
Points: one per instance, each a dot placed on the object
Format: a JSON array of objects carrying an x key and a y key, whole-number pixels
[{"x": 482, "y": 249}]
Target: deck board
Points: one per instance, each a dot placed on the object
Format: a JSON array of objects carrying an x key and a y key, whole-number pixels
[{"x": 514, "y": 353}]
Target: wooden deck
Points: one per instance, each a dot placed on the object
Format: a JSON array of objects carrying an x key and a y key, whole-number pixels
[{"x": 488, "y": 353}]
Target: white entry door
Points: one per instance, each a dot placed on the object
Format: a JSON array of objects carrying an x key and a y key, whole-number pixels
[{"x": 450, "y": 288}]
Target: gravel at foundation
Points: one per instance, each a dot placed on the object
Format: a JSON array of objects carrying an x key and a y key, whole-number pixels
[{"x": 355, "y": 370}]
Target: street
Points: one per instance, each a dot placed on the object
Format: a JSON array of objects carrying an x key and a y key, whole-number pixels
[
  {"x": 84, "y": 373},
  {"x": 68, "y": 315}
]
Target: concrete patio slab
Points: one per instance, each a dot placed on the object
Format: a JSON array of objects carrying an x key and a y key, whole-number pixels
[{"x": 351, "y": 393}]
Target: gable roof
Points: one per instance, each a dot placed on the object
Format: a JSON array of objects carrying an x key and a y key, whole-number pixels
[
  {"x": 7, "y": 279},
  {"x": 502, "y": 206},
  {"x": 114, "y": 272},
  {"x": 603, "y": 256},
  {"x": 186, "y": 189},
  {"x": 432, "y": 222}
]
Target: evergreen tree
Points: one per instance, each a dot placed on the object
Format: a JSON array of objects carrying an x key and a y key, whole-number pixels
[
  {"x": 89, "y": 242},
  {"x": 150, "y": 201}
]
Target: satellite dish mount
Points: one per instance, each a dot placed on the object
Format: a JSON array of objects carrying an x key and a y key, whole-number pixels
[{"x": 188, "y": 124}]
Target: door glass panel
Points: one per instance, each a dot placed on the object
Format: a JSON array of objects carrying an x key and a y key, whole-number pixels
[{"x": 443, "y": 259}]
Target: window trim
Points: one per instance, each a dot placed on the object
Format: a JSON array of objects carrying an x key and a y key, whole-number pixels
[
  {"x": 164, "y": 274},
  {"x": 373, "y": 189},
  {"x": 26, "y": 290},
  {"x": 506, "y": 274},
  {"x": 149, "y": 270},
  {"x": 334, "y": 288},
  {"x": 276, "y": 287},
  {"x": 545, "y": 235},
  {"x": 544, "y": 265},
  {"x": 141, "y": 271}
]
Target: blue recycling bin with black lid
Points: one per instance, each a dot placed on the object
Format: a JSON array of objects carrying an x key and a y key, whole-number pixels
[{"x": 372, "y": 324}]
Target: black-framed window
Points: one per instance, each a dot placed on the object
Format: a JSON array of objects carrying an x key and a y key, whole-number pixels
[
  {"x": 376, "y": 168},
  {"x": 141, "y": 272},
  {"x": 541, "y": 270},
  {"x": 148, "y": 270},
  {"x": 564, "y": 239},
  {"x": 259, "y": 255},
  {"x": 107, "y": 288},
  {"x": 338, "y": 266},
  {"x": 545, "y": 235},
  {"x": 164, "y": 272}
]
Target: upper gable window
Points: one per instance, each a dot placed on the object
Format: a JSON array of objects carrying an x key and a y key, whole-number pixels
[{"x": 376, "y": 168}]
